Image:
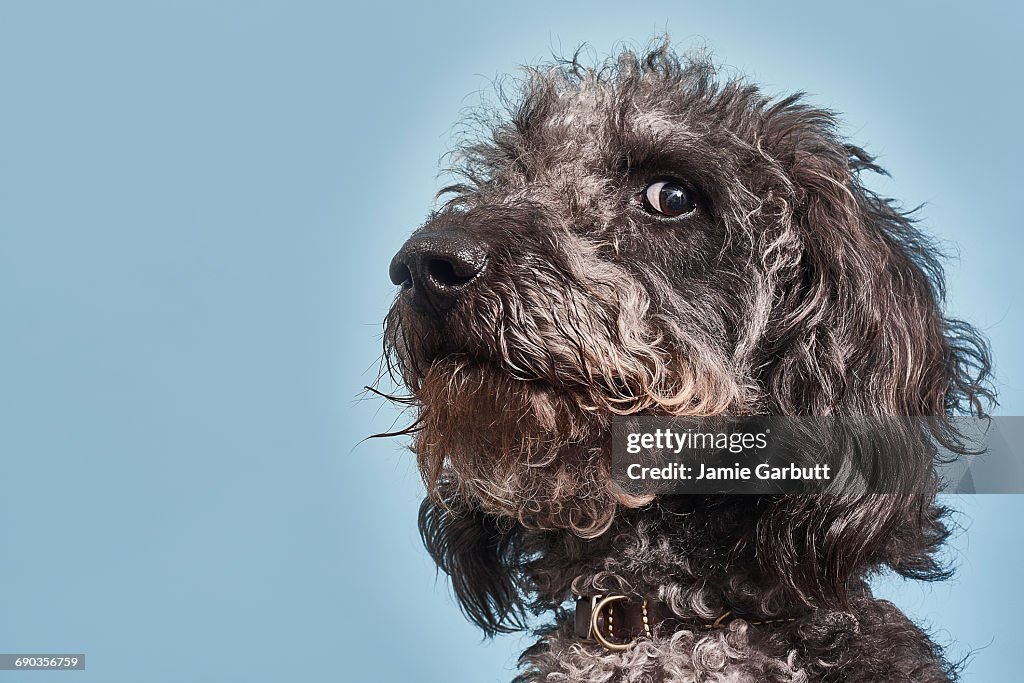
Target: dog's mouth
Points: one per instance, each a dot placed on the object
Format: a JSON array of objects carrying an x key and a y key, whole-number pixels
[
  {"x": 473, "y": 372},
  {"x": 453, "y": 363},
  {"x": 428, "y": 349}
]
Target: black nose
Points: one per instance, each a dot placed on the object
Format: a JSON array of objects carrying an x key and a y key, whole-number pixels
[{"x": 435, "y": 268}]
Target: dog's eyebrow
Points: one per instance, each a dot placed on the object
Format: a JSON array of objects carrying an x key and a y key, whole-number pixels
[
  {"x": 648, "y": 156},
  {"x": 659, "y": 147}
]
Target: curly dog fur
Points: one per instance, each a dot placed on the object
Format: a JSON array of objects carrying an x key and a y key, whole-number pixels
[{"x": 547, "y": 295}]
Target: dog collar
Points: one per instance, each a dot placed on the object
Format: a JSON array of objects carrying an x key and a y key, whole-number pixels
[{"x": 617, "y": 621}]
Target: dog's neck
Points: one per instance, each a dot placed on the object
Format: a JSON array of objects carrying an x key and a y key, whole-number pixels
[{"x": 691, "y": 553}]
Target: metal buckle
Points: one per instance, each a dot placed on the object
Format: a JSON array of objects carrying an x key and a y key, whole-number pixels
[{"x": 599, "y": 602}]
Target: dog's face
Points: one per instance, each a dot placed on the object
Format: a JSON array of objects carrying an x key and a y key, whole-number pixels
[{"x": 639, "y": 238}]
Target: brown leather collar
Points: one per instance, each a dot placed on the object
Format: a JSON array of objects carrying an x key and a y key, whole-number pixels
[{"x": 617, "y": 621}]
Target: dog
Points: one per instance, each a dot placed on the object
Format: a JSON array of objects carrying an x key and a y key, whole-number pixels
[{"x": 645, "y": 237}]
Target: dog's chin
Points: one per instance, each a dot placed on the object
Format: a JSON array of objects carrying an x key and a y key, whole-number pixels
[{"x": 514, "y": 447}]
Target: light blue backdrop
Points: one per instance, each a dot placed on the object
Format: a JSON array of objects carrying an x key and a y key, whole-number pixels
[{"x": 198, "y": 202}]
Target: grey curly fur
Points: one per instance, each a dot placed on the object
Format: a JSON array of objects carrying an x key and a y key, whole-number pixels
[{"x": 791, "y": 289}]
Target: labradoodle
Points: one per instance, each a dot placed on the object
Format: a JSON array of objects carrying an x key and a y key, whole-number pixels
[{"x": 646, "y": 237}]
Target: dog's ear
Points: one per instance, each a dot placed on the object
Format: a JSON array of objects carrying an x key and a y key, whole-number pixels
[
  {"x": 859, "y": 326},
  {"x": 481, "y": 555},
  {"x": 859, "y": 331}
]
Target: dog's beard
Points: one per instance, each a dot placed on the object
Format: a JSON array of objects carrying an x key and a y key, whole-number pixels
[
  {"x": 514, "y": 448},
  {"x": 531, "y": 450}
]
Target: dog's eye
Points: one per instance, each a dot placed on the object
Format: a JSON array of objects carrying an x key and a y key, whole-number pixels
[{"x": 668, "y": 199}]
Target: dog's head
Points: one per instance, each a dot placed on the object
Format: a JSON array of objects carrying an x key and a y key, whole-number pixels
[{"x": 642, "y": 238}]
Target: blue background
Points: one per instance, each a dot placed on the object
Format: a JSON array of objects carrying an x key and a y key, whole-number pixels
[{"x": 198, "y": 203}]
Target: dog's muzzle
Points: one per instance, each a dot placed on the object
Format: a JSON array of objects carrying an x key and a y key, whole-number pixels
[{"x": 435, "y": 268}]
